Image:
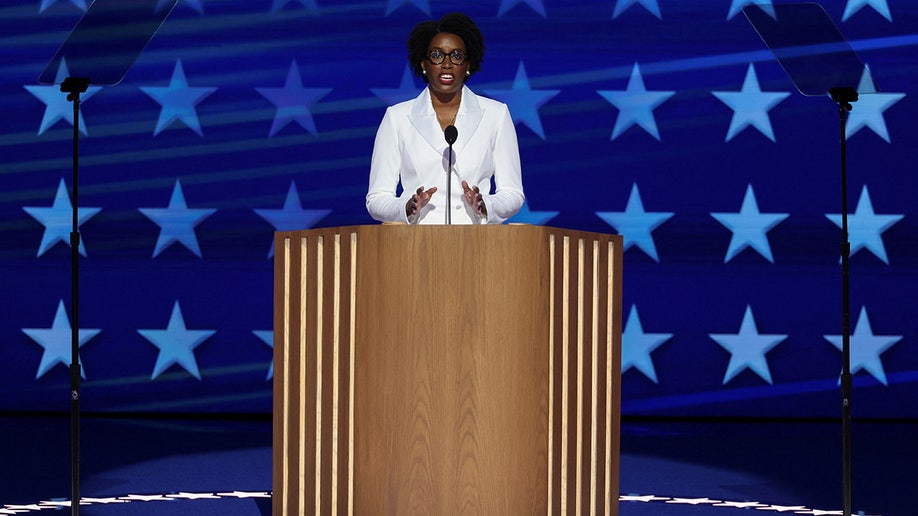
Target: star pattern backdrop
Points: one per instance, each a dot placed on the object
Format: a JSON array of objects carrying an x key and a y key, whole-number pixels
[{"x": 666, "y": 121}]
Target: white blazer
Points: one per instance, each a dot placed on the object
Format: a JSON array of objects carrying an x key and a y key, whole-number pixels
[{"x": 411, "y": 149}]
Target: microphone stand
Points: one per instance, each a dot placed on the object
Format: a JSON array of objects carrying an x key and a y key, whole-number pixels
[{"x": 450, "y": 133}]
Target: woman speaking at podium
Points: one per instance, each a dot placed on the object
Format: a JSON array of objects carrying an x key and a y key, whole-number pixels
[{"x": 446, "y": 132}]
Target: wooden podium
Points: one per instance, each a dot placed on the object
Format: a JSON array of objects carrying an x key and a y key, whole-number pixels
[{"x": 446, "y": 370}]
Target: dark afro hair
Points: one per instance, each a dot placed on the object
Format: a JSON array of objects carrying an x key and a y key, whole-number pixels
[{"x": 453, "y": 23}]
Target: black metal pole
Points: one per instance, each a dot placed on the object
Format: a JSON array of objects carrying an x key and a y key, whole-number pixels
[
  {"x": 844, "y": 97},
  {"x": 74, "y": 87}
]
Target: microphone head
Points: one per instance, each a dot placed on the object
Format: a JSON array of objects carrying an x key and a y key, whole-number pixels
[{"x": 451, "y": 133}]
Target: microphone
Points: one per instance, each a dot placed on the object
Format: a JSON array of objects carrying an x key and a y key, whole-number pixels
[{"x": 451, "y": 133}]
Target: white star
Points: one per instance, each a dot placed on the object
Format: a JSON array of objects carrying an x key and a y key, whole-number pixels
[
  {"x": 536, "y": 218},
  {"x": 749, "y": 227},
  {"x": 103, "y": 501},
  {"x": 739, "y": 505},
  {"x": 635, "y": 104},
  {"x": 866, "y": 347},
  {"x": 57, "y": 107},
  {"x": 423, "y": 5},
  {"x": 818, "y": 512},
  {"x": 177, "y": 222},
  {"x": 693, "y": 501},
  {"x": 651, "y": 5},
  {"x": 868, "y": 110},
  {"x": 48, "y": 3},
  {"x": 57, "y": 341},
  {"x": 178, "y": 101},
  {"x": 524, "y": 102},
  {"x": 736, "y": 6},
  {"x": 194, "y": 496},
  {"x": 293, "y": 101},
  {"x": 292, "y": 217},
  {"x": 506, "y": 5},
  {"x": 176, "y": 344},
  {"x": 405, "y": 91},
  {"x": 637, "y": 346},
  {"x": 145, "y": 498},
  {"x": 58, "y": 220},
  {"x": 641, "y": 498},
  {"x": 14, "y": 509},
  {"x": 308, "y": 4},
  {"x": 854, "y": 6},
  {"x": 750, "y": 106},
  {"x": 865, "y": 228},
  {"x": 747, "y": 348},
  {"x": 635, "y": 224},
  {"x": 783, "y": 508},
  {"x": 246, "y": 494},
  {"x": 267, "y": 336}
]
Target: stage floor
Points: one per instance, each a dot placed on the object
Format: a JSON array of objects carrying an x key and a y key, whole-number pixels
[{"x": 133, "y": 466}]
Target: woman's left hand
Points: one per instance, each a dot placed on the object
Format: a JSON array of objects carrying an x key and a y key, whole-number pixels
[{"x": 473, "y": 198}]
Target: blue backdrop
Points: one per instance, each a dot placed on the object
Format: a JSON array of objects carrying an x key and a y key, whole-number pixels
[{"x": 667, "y": 121}]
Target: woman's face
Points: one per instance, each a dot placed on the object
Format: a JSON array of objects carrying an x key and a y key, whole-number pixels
[{"x": 446, "y": 77}]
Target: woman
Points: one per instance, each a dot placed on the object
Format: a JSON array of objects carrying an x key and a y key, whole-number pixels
[{"x": 411, "y": 148}]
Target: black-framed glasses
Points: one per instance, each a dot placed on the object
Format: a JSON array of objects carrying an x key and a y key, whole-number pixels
[{"x": 436, "y": 56}]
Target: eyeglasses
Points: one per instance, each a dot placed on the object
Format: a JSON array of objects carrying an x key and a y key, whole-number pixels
[{"x": 436, "y": 56}]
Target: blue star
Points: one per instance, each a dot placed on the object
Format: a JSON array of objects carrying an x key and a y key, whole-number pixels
[
  {"x": 57, "y": 342},
  {"x": 868, "y": 110},
  {"x": 866, "y": 347},
  {"x": 637, "y": 346},
  {"x": 524, "y": 102},
  {"x": 423, "y": 5},
  {"x": 854, "y": 6},
  {"x": 48, "y": 3},
  {"x": 405, "y": 91},
  {"x": 749, "y": 227},
  {"x": 177, "y": 222},
  {"x": 293, "y": 101},
  {"x": 506, "y": 5},
  {"x": 651, "y": 5},
  {"x": 865, "y": 228},
  {"x": 292, "y": 217},
  {"x": 536, "y": 218},
  {"x": 267, "y": 336},
  {"x": 176, "y": 344},
  {"x": 58, "y": 220},
  {"x": 636, "y": 104},
  {"x": 635, "y": 224},
  {"x": 178, "y": 101},
  {"x": 750, "y": 106},
  {"x": 736, "y": 6},
  {"x": 57, "y": 107},
  {"x": 308, "y": 4},
  {"x": 747, "y": 348},
  {"x": 194, "y": 4}
]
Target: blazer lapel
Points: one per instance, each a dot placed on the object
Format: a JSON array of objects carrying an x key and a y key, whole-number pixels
[
  {"x": 424, "y": 120},
  {"x": 468, "y": 119}
]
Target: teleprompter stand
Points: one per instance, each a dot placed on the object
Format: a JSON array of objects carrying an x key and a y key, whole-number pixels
[
  {"x": 100, "y": 50},
  {"x": 820, "y": 62}
]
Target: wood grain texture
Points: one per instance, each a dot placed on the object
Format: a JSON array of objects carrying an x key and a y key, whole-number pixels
[{"x": 446, "y": 370}]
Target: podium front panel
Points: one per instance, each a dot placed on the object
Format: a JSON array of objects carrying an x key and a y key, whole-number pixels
[{"x": 446, "y": 370}]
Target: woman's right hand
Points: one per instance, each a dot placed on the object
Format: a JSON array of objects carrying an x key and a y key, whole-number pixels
[{"x": 418, "y": 201}]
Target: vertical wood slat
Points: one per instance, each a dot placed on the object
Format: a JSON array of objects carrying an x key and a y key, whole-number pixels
[
  {"x": 313, "y": 387},
  {"x": 583, "y": 460}
]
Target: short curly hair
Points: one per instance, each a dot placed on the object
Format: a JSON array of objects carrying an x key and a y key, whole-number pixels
[{"x": 453, "y": 23}]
